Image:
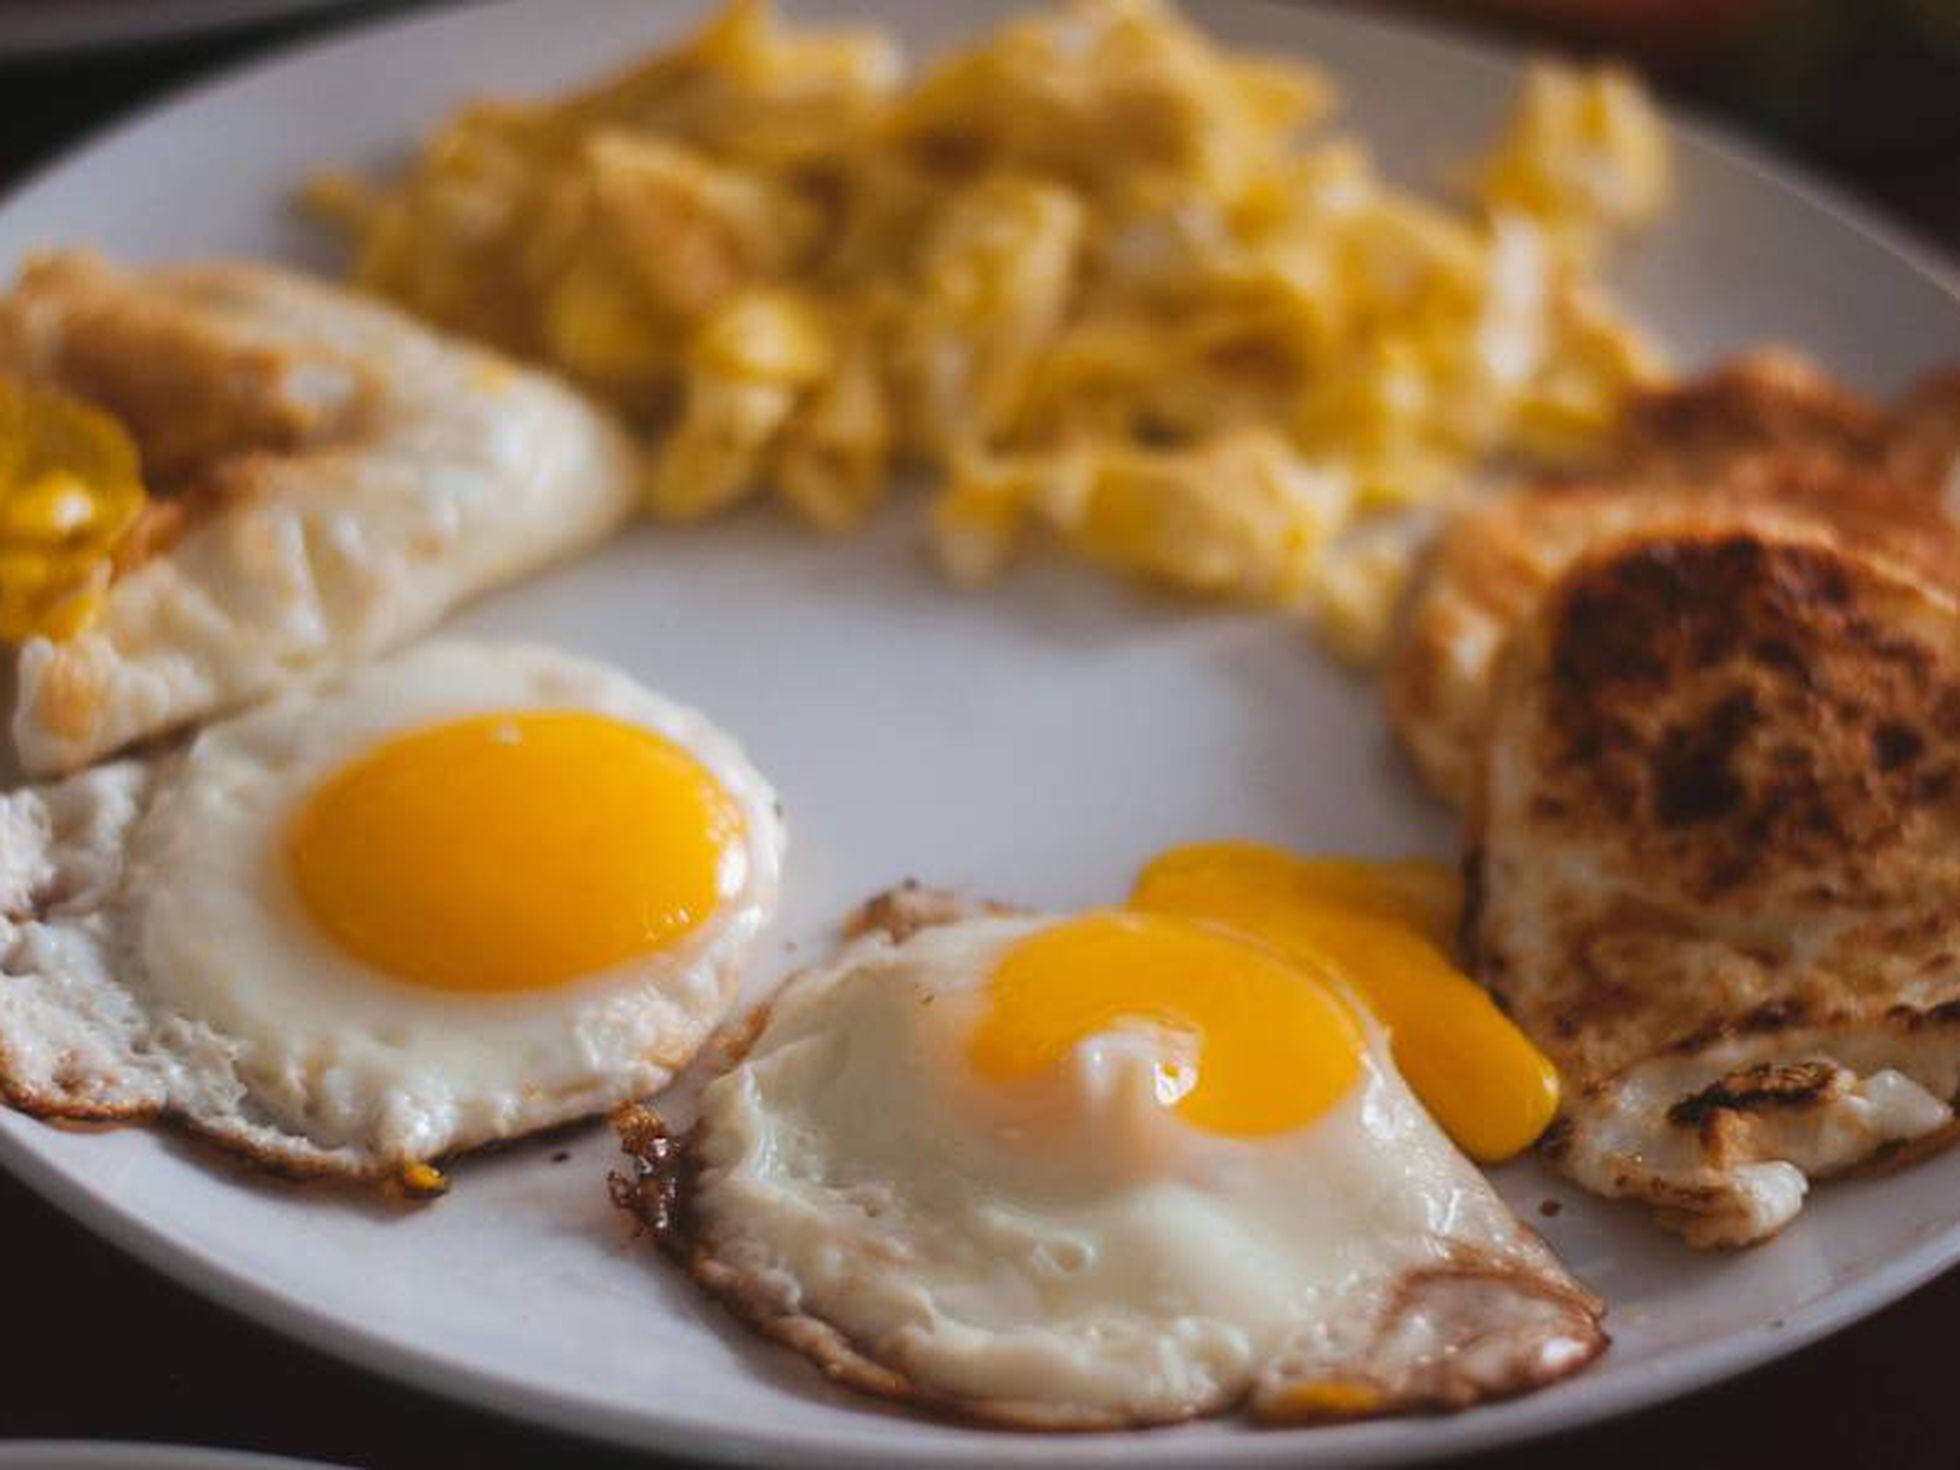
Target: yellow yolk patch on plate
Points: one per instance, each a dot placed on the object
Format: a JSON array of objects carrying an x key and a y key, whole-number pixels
[
  {"x": 513, "y": 851},
  {"x": 1416, "y": 893},
  {"x": 70, "y": 487},
  {"x": 1275, "y": 1047},
  {"x": 1380, "y": 927}
]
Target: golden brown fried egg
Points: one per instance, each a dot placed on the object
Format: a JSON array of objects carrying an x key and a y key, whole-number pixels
[
  {"x": 1714, "y": 868},
  {"x": 1765, "y": 440}
]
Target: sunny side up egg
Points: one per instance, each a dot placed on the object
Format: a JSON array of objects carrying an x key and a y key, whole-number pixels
[
  {"x": 1119, "y": 1168},
  {"x": 456, "y": 896}
]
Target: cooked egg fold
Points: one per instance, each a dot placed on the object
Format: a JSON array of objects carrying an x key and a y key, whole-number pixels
[
  {"x": 457, "y": 896},
  {"x": 322, "y": 480},
  {"x": 948, "y": 1178}
]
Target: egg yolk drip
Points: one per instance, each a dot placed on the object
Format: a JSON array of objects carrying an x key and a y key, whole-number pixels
[
  {"x": 1382, "y": 928},
  {"x": 70, "y": 488},
  {"x": 513, "y": 851},
  {"x": 1275, "y": 1048}
]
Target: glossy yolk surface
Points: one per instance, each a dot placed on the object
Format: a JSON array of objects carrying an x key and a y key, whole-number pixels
[
  {"x": 1275, "y": 1047},
  {"x": 513, "y": 851},
  {"x": 1381, "y": 928},
  {"x": 1415, "y": 893}
]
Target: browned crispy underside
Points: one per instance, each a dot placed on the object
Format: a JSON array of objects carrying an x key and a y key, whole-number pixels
[
  {"x": 1719, "y": 817},
  {"x": 1765, "y": 439},
  {"x": 295, "y": 1159},
  {"x": 1924, "y": 445},
  {"x": 1770, "y": 399},
  {"x": 1459, "y": 1299},
  {"x": 298, "y": 1164},
  {"x": 1742, "y": 735},
  {"x": 899, "y": 913}
]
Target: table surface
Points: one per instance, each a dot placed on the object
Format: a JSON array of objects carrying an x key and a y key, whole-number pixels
[{"x": 107, "y": 1349}]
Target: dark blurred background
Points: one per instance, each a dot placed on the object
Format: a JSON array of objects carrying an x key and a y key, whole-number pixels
[{"x": 1868, "y": 91}]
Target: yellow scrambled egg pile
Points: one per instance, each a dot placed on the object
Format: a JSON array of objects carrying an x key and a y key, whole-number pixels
[{"x": 1097, "y": 278}]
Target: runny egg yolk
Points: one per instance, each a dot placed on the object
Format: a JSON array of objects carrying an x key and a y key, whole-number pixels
[
  {"x": 1275, "y": 1048},
  {"x": 1381, "y": 928},
  {"x": 71, "y": 488},
  {"x": 513, "y": 851}
]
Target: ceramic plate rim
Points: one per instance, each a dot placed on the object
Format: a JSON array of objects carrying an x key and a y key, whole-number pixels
[
  {"x": 158, "y": 23},
  {"x": 1521, "y": 1420},
  {"x": 135, "y": 1454}
]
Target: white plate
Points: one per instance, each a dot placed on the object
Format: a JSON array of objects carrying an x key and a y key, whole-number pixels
[
  {"x": 1035, "y": 744},
  {"x": 43, "y": 28}
]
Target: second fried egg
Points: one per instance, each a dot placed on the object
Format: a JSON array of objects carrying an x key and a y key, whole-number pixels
[{"x": 456, "y": 896}]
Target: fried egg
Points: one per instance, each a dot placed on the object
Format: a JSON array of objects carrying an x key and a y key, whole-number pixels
[
  {"x": 1763, "y": 440},
  {"x": 322, "y": 480},
  {"x": 456, "y": 896},
  {"x": 1116, "y": 1168},
  {"x": 1714, "y": 866}
]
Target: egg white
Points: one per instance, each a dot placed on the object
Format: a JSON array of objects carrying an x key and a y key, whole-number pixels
[
  {"x": 1083, "y": 1257},
  {"x": 435, "y": 470},
  {"x": 156, "y": 958}
]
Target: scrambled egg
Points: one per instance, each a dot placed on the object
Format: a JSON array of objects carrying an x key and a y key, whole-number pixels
[{"x": 1096, "y": 277}]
